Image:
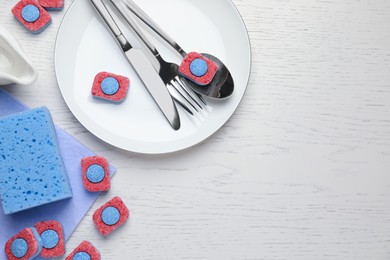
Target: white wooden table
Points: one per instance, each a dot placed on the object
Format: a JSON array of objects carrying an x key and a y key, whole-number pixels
[{"x": 302, "y": 169}]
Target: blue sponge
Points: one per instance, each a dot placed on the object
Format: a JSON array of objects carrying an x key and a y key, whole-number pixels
[{"x": 32, "y": 172}]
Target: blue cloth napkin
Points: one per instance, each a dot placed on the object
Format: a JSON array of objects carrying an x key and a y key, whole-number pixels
[{"x": 68, "y": 212}]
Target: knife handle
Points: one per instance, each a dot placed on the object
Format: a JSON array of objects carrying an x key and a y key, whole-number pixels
[
  {"x": 154, "y": 26},
  {"x": 105, "y": 14},
  {"x": 135, "y": 28}
]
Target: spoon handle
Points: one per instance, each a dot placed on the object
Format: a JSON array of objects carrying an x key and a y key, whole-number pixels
[{"x": 154, "y": 26}]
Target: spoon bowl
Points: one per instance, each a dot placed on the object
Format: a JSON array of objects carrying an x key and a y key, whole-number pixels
[{"x": 222, "y": 85}]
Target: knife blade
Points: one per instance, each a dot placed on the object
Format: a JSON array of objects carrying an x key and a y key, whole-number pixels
[
  {"x": 143, "y": 68},
  {"x": 155, "y": 85}
]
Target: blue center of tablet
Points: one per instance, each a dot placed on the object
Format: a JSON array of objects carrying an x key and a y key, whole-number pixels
[
  {"x": 110, "y": 216},
  {"x": 50, "y": 239},
  {"x": 95, "y": 173},
  {"x": 30, "y": 13},
  {"x": 19, "y": 247},
  {"x": 198, "y": 67},
  {"x": 110, "y": 86},
  {"x": 81, "y": 256}
]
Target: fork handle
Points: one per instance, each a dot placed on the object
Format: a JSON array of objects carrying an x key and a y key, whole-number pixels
[
  {"x": 153, "y": 25},
  {"x": 102, "y": 10}
]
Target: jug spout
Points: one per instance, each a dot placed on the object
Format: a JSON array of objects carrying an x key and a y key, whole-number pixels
[{"x": 15, "y": 67}]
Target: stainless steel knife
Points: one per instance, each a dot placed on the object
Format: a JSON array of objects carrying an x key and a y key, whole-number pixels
[{"x": 143, "y": 67}]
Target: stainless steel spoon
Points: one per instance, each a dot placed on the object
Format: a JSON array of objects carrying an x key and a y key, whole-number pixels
[{"x": 222, "y": 85}]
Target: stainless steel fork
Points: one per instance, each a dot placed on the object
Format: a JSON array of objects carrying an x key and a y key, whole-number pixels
[{"x": 168, "y": 71}]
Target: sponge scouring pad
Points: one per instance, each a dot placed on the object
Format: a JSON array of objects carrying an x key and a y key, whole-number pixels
[
  {"x": 32, "y": 172},
  {"x": 84, "y": 251},
  {"x": 52, "y": 235},
  {"x": 110, "y": 216},
  {"x": 32, "y": 15},
  {"x": 25, "y": 245}
]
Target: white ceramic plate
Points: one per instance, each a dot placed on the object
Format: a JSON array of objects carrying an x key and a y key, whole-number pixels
[{"x": 85, "y": 47}]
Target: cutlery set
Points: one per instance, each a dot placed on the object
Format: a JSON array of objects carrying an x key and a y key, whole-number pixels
[
  {"x": 161, "y": 78},
  {"x": 222, "y": 85}
]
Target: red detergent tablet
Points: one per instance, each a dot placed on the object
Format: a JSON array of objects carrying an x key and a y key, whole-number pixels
[
  {"x": 25, "y": 245},
  {"x": 111, "y": 87},
  {"x": 85, "y": 251},
  {"x": 110, "y": 216},
  {"x": 52, "y": 236},
  {"x": 198, "y": 68},
  {"x": 32, "y": 15},
  {"x": 96, "y": 173},
  {"x": 52, "y": 5}
]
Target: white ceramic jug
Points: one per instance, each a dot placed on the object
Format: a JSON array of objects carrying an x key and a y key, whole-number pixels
[{"x": 14, "y": 65}]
